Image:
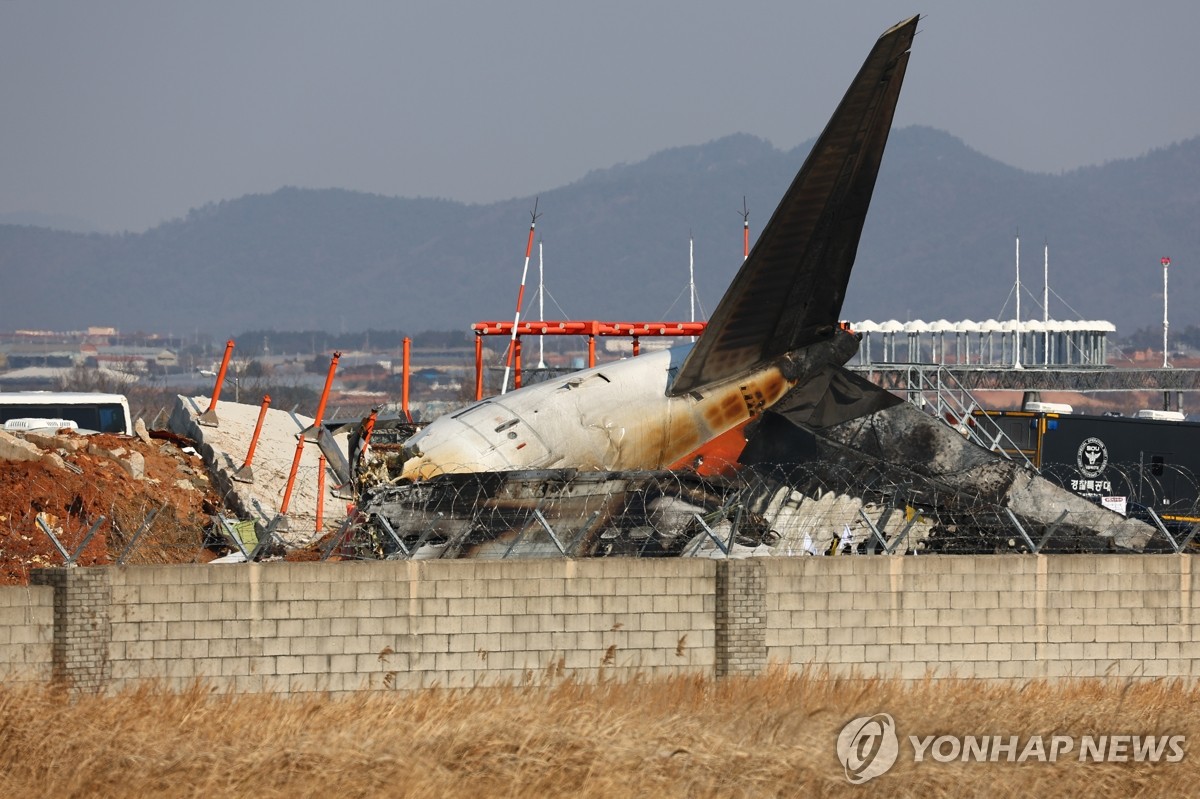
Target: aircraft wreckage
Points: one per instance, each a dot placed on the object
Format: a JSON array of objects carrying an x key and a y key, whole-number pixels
[{"x": 603, "y": 461}]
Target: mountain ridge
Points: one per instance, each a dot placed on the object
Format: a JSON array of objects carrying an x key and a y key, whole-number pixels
[{"x": 938, "y": 243}]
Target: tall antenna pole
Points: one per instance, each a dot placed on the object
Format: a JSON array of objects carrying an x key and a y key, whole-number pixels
[
  {"x": 745, "y": 229},
  {"x": 692, "y": 276},
  {"x": 1017, "y": 332},
  {"x": 1165, "y": 263},
  {"x": 1046, "y": 306},
  {"x": 512, "y": 344},
  {"x": 541, "y": 309}
]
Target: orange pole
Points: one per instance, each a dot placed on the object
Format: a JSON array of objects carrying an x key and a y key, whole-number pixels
[
  {"x": 369, "y": 428},
  {"x": 325, "y": 394},
  {"x": 262, "y": 414},
  {"x": 321, "y": 495},
  {"x": 287, "y": 492},
  {"x": 517, "y": 359},
  {"x": 637, "y": 346},
  {"x": 405, "y": 373},
  {"x": 216, "y": 393},
  {"x": 478, "y": 366},
  {"x": 592, "y": 345}
]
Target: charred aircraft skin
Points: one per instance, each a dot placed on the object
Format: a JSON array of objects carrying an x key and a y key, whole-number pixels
[
  {"x": 942, "y": 470},
  {"x": 574, "y": 461}
]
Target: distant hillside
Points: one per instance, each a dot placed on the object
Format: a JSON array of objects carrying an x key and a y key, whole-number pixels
[{"x": 938, "y": 244}]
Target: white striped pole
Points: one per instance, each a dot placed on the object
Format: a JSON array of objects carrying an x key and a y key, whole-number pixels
[{"x": 512, "y": 342}]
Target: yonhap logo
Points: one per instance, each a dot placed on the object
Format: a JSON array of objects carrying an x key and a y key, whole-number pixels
[{"x": 868, "y": 747}]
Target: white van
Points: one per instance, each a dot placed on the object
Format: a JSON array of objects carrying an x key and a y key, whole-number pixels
[{"x": 77, "y": 410}]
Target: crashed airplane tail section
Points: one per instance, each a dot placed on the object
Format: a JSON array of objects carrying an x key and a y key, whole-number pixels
[
  {"x": 788, "y": 293},
  {"x": 775, "y": 328}
]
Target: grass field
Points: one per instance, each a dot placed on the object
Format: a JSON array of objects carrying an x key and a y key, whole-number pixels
[{"x": 773, "y": 735}]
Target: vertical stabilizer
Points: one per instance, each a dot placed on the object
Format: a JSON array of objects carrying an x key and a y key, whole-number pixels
[{"x": 788, "y": 293}]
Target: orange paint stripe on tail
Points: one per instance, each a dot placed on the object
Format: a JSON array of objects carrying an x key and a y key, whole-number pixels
[{"x": 719, "y": 456}]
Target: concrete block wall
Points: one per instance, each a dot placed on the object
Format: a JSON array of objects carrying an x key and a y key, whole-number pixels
[
  {"x": 999, "y": 616},
  {"x": 301, "y": 627},
  {"x": 26, "y": 633},
  {"x": 295, "y": 627}
]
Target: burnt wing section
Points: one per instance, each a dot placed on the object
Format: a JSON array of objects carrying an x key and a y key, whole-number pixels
[{"x": 789, "y": 292}]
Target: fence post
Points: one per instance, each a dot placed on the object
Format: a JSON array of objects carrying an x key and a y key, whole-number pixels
[
  {"x": 82, "y": 626},
  {"x": 741, "y": 617}
]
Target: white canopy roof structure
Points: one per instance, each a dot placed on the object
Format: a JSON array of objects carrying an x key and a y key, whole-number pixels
[{"x": 1051, "y": 342}]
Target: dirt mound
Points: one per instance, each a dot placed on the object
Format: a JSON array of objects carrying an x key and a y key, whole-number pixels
[{"x": 72, "y": 481}]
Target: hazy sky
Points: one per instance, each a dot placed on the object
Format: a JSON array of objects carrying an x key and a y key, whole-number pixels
[{"x": 126, "y": 114}]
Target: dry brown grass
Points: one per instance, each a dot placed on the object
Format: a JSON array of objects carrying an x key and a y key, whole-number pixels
[{"x": 768, "y": 736}]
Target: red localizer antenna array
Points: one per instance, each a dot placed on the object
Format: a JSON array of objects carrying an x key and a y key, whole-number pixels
[{"x": 512, "y": 344}]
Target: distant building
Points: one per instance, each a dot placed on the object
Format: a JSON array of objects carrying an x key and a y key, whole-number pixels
[
  {"x": 132, "y": 359},
  {"x": 52, "y": 354}
]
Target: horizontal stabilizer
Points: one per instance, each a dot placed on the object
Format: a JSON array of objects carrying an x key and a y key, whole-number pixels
[{"x": 789, "y": 291}]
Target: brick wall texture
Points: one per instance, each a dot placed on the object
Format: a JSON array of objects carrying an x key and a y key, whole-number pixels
[
  {"x": 335, "y": 627},
  {"x": 82, "y": 631},
  {"x": 741, "y": 620}
]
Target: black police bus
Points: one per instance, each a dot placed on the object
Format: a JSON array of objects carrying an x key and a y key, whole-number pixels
[{"x": 1128, "y": 463}]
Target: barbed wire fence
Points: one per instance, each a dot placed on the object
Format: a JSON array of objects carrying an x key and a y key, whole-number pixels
[{"x": 811, "y": 509}]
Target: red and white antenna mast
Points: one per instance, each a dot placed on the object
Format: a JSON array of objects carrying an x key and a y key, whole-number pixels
[
  {"x": 1165, "y": 263},
  {"x": 512, "y": 343},
  {"x": 745, "y": 229},
  {"x": 692, "y": 277},
  {"x": 541, "y": 309}
]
